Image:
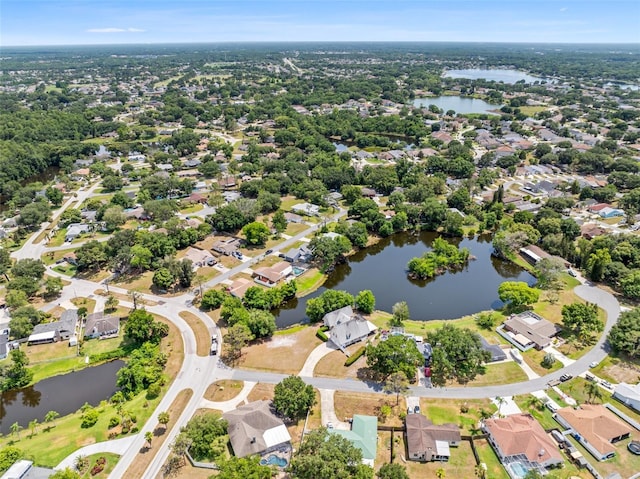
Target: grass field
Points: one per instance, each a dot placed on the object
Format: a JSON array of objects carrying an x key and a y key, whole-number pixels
[
  {"x": 489, "y": 458},
  {"x": 223, "y": 390},
  {"x": 347, "y": 404},
  {"x": 501, "y": 373},
  {"x": 201, "y": 332},
  {"x": 442, "y": 411}
]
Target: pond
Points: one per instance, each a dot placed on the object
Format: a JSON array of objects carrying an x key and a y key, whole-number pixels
[
  {"x": 458, "y": 104},
  {"x": 494, "y": 74},
  {"x": 382, "y": 269},
  {"x": 64, "y": 394}
]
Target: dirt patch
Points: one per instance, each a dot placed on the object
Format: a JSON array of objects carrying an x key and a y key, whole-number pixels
[
  {"x": 261, "y": 391},
  {"x": 332, "y": 365},
  {"x": 623, "y": 372},
  {"x": 223, "y": 390},
  {"x": 201, "y": 332},
  {"x": 141, "y": 463},
  {"x": 283, "y": 354},
  {"x": 347, "y": 404}
]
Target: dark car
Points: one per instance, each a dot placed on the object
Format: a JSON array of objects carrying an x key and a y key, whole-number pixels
[
  {"x": 565, "y": 377},
  {"x": 416, "y": 409},
  {"x": 269, "y": 251}
]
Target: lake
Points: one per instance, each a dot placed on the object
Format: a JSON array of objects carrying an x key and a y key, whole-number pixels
[
  {"x": 458, "y": 104},
  {"x": 64, "y": 394},
  {"x": 382, "y": 269},
  {"x": 497, "y": 75}
]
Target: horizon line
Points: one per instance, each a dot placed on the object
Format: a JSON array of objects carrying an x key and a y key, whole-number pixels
[{"x": 262, "y": 42}]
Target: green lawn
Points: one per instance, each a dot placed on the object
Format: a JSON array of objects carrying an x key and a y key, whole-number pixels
[
  {"x": 502, "y": 373},
  {"x": 112, "y": 460},
  {"x": 534, "y": 358},
  {"x": 543, "y": 416},
  {"x": 309, "y": 281},
  {"x": 67, "y": 436},
  {"x": 488, "y": 457},
  {"x": 442, "y": 411}
]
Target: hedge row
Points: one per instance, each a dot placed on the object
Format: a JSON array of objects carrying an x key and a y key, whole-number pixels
[
  {"x": 321, "y": 334},
  {"x": 355, "y": 356},
  {"x": 107, "y": 356}
]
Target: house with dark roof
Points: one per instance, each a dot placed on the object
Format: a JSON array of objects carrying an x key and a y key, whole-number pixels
[
  {"x": 226, "y": 247},
  {"x": 55, "y": 331},
  {"x": 427, "y": 442},
  {"x": 254, "y": 429},
  {"x": 520, "y": 439},
  {"x": 595, "y": 427},
  {"x": 298, "y": 255},
  {"x": 528, "y": 330},
  {"x": 363, "y": 435},
  {"x": 101, "y": 326}
]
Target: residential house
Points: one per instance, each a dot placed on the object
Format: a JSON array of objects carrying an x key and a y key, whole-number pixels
[
  {"x": 200, "y": 257},
  {"x": 597, "y": 207},
  {"x": 628, "y": 394},
  {"x": 24, "y": 469},
  {"x": 293, "y": 218},
  {"x": 496, "y": 351},
  {"x": 526, "y": 330},
  {"x": 520, "y": 438},
  {"x": 363, "y": 435},
  {"x": 595, "y": 427},
  {"x": 101, "y": 326},
  {"x": 74, "y": 230},
  {"x": 346, "y": 328},
  {"x": 270, "y": 276},
  {"x": 4, "y": 343},
  {"x": 55, "y": 331},
  {"x": 610, "y": 212},
  {"x": 427, "y": 442},
  {"x": 254, "y": 429},
  {"x": 591, "y": 230},
  {"x": 239, "y": 287},
  {"x": 298, "y": 255},
  {"x": 192, "y": 163},
  {"x": 533, "y": 254},
  {"x": 230, "y": 196},
  {"x": 227, "y": 182},
  {"x": 306, "y": 209},
  {"x": 226, "y": 247},
  {"x": 137, "y": 213},
  {"x": 368, "y": 192},
  {"x": 197, "y": 198}
]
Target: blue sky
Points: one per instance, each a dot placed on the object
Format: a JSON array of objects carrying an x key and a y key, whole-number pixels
[{"x": 60, "y": 22}]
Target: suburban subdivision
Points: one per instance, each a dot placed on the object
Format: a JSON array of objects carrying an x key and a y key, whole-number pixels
[{"x": 316, "y": 261}]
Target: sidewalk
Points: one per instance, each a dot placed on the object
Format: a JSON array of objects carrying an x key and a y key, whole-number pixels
[
  {"x": 116, "y": 446},
  {"x": 232, "y": 403},
  {"x": 314, "y": 357}
]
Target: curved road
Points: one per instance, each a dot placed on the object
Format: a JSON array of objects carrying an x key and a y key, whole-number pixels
[{"x": 198, "y": 372}]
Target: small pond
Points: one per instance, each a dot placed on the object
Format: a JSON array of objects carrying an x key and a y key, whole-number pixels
[
  {"x": 497, "y": 75},
  {"x": 458, "y": 104},
  {"x": 64, "y": 394},
  {"x": 382, "y": 269}
]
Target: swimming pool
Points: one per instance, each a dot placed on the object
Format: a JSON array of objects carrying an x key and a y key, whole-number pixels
[
  {"x": 274, "y": 460},
  {"x": 298, "y": 271},
  {"x": 518, "y": 469}
]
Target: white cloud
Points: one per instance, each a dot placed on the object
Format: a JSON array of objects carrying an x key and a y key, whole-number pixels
[{"x": 114, "y": 30}]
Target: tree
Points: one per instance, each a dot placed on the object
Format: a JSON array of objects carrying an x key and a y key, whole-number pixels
[
  {"x": 262, "y": 324},
  {"x": 32, "y": 269},
  {"x": 53, "y": 286},
  {"x": 328, "y": 301},
  {"x": 328, "y": 456},
  {"x": 396, "y": 383},
  {"x": 293, "y": 398},
  {"x": 15, "y": 374},
  {"x": 163, "y": 278},
  {"x": 327, "y": 250},
  {"x": 440, "y": 473},
  {"x": 243, "y": 467},
  {"x": 581, "y": 319},
  {"x": 547, "y": 271},
  {"x": 201, "y": 432},
  {"x": 114, "y": 217},
  {"x": 400, "y": 314},
  {"x": 396, "y": 354},
  {"x": 141, "y": 327},
  {"x": 212, "y": 299},
  {"x": 279, "y": 222},
  {"x": 148, "y": 436},
  {"x": 624, "y": 336},
  {"x": 9, "y": 455},
  {"x": 486, "y": 320},
  {"x": 15, "y": 299},
  {"x": 517, "y": 294},
  {"x": 15, "y": 429},
  {"x": 592, "y": 389},
  {"x": 5, "y": 262},
  {"x": 457, "y": 355},
  {"x": 66, "y": 473},
  {"x": 548, "y": 361},
  {"x": 365, "y": 301},
  {"x": 33, "y": 215},
  {"x": 392, "y": 471},
  {"x": 51, "y": 416},
  {"x": 33, "y": 426},
  {"x": 237, "y": 338},
  {"x": 163, "y": 418},
  {"x": 111, "y": 303},
  {"x": 596, "y": 264},
  {"x": 256, "y": 233}
]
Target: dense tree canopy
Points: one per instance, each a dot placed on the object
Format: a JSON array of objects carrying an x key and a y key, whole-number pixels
[
  {"x": 292, "y": 398},
  {"x": 624, "y": 336},
  {"x": 396, "y": 354}
]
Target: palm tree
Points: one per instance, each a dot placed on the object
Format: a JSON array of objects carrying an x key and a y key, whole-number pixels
[
  {"x": 15, "y": 429},
  {"x": 501, "y": 401},
  {"x": 51, "y": 416},
  {"x": 440, "y": 473},
  {"x": 480, "y": 472},
  {"x": 163, "y": 418},
  {"x": 148, "y": 436},
  {"x": 535, "y": 402},
  {"x": 33, "y": 425},
  {"x": 593, "y": 391}
]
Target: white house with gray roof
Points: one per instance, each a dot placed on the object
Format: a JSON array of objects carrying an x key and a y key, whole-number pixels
[{"x": 346, "y": 328}]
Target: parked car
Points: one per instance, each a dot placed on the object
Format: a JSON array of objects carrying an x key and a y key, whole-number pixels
[
  {"x": 593, "y": 364},
  {"x": 329, "y": 425},
  {"x": 565, "y": 377},
  {"x": 607, "y": 384},
  {"x": 572, "y": 272},
  {"x": 416, "y": 410},
  {"x": 269, "y": 251}
]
